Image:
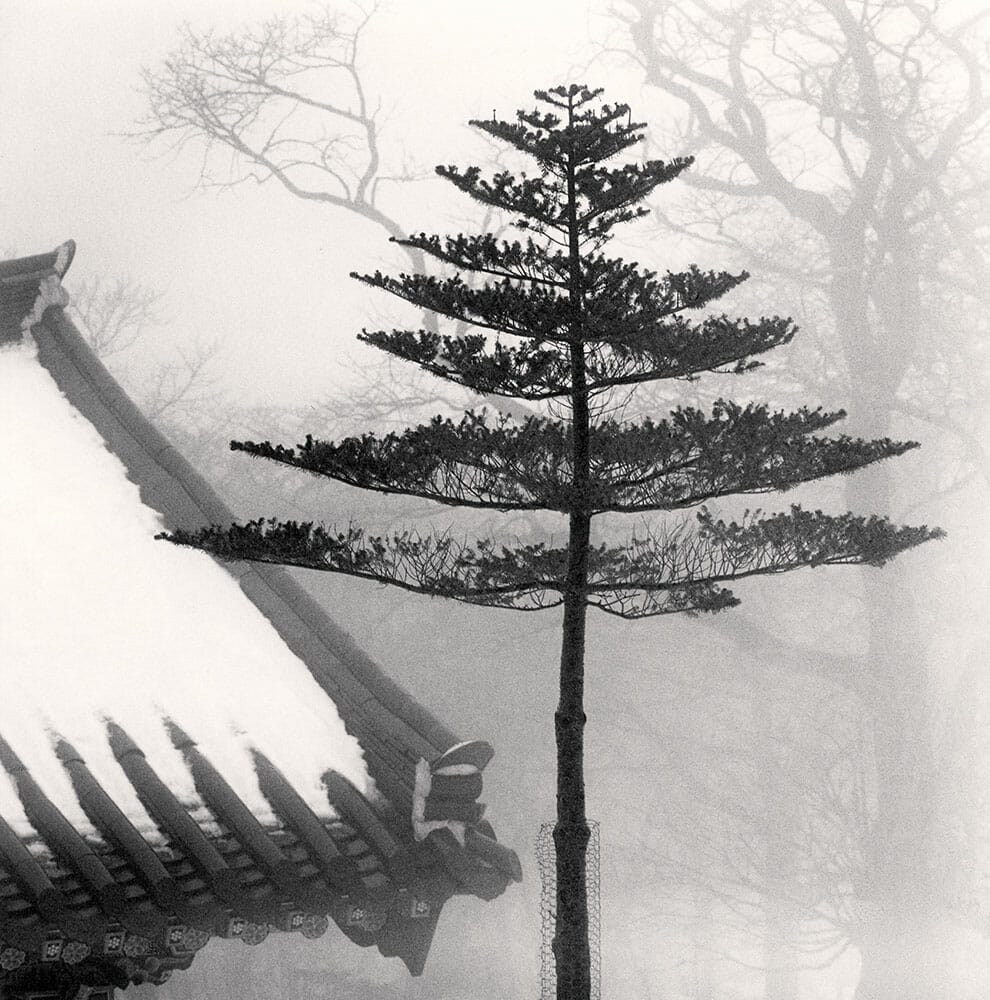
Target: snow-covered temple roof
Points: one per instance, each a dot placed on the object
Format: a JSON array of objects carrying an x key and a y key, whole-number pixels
[{"x": 186, "y": 749}]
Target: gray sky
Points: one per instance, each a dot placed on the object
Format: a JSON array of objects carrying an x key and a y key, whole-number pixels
[
  {"x": 264, "y": 272},
  {"x": 268, "y": 275}
]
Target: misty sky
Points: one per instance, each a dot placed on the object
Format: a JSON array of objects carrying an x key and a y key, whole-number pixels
[
  {"x": 254, "y": 267},
  {"x": 267, "y": 275}
]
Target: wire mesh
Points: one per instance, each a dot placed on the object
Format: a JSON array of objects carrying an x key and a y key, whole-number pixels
[{"x": 546, "y": 858}]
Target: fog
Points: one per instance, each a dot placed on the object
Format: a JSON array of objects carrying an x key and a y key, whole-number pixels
[{"x": 792, "y": 795}]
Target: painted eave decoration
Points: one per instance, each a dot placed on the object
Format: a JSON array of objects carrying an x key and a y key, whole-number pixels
[{"x": 133, "y": 828}]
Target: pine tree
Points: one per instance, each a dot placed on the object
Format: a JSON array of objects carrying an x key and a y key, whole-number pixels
[{"x": 580, "y": 325}]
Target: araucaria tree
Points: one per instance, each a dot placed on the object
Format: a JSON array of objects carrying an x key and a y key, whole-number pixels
[{"x": 580, "y": 326}]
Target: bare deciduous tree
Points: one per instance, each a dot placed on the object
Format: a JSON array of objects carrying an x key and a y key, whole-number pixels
[
  {"x": 839, "y": 147},
  {"x": 284, "y": 102},
  {"x": 115, "y": 312},
  {"x": 117, "y": 316}
]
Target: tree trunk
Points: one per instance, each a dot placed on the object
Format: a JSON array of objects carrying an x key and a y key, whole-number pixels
[
  {"x": 572, "y": 953},
  {"x": 899, "y": 961},
  {"x": 571, "y": 834},
  {"x": 781, "y": 916},
  {"x": 897, "y": 943}
]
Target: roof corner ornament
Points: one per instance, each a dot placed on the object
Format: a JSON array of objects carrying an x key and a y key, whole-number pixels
[
  {"x": 422, "y": 827},
  {"x": 63, "y": 257},
  {"x": 447, "y": 814},
  {"x": 446, "y": 792},
  {"x": 50, "y": 293},
  {"x": 29, "y": 286}
]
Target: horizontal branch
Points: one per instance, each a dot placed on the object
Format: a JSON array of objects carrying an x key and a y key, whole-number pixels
[
  {"x": 672, "y": 349},
  {"x": 504, "y": 307},
  {"x": 485, "y": 254},
  {"x": 680, "y": 462},
  {"x": 622, "y": 302},
  {"x": 676, "y": 570}
]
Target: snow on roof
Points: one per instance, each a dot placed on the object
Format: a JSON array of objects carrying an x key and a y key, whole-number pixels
[{"x": 100, "y": 621}]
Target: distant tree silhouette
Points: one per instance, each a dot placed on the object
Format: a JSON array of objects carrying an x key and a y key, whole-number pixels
[
  {"x": 283, "y": 102},
  {"x": 841, "y": 148},
  {"x": 118, "y": 316}
]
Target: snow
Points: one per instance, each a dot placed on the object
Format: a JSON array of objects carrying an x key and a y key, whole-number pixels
[
  {"x": 11, "y": 808},
  {"x": 99, "y": 621},
  {"x": 423, "y": 827}
]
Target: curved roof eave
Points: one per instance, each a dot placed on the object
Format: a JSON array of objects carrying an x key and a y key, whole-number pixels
[{"x": 408, "y": 751}]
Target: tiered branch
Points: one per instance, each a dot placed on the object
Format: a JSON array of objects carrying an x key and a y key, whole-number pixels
[
  {"x": 664, "y": 572},
  {"x": 663, "y": 465}
]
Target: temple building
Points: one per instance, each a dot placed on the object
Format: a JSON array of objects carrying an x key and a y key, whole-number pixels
[{"x": 187, "y": 749}]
